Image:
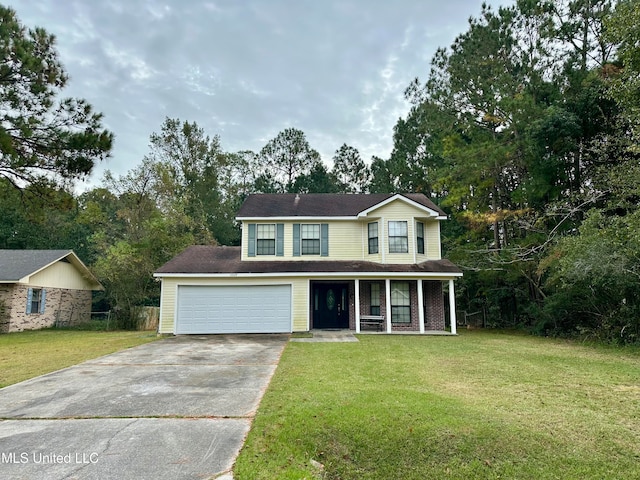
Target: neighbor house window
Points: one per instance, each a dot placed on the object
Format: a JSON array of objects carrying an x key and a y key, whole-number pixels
[
  {"x": 420, "y": 237},
  {"x": 375, "y": 299},
  {"x": 310, "y": 239},
  {"x": 265, "y": 239},
  {"x": 373, "y": 237},
  {"x": 400, "y": 303},
  {"x": 398, "y": 240},
  {"x": 35, "y": 300}
]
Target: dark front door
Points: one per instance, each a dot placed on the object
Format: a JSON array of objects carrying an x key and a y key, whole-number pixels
[{"x": 330, "y": 304}]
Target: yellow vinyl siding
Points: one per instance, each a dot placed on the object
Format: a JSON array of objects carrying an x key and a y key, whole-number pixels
[
  {"x": 345, "y": 242},
  {"x": 432, "y": 240},
  {"x": 299, "y": 288},
  {"x": 61, "y": 275},
  {"x": 348, "y": 239}
]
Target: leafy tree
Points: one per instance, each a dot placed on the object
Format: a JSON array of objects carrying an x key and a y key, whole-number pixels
[
  {"x": 42, "y": 136},
  {"x": 318, "y": 180},
  {"x": 594, "y": 278},
  {"x": 186, "y": 163},
  {"x": 286, "y": 157},
  {"x": 383, "y": 179},
  {"x": 350, "y": 170},
  {"x": 624, "y": 31}
]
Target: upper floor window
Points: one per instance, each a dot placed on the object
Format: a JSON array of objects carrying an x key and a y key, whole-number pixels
[
  {"x": 310, "y": 239},
  {"x": 266, "y": 239},
  {"x": 398, "y": 239},
  {"x": 373, "y": 237},
  {"x": 420, "y": 237}
]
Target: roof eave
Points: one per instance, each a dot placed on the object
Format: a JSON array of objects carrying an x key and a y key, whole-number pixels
[
  {"x": 398, "y": 196},
  {"x": 439, "y": 275},
  {"x": 295, "y": 218}
]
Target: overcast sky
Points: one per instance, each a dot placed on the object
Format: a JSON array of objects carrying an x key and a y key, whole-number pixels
[{"x": 247, "y": 69}]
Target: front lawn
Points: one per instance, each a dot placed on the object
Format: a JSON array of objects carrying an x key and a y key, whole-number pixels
[
  {"x": 28, "y": 354},
  {"x": 480, "y": 405}
]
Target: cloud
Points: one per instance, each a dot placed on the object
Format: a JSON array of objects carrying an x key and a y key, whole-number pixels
[{"x": 247, "y": 69}]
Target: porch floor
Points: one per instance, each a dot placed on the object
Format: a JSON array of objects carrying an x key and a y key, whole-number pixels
[
  {"x": 349, "y": 335},
  {"x": 426, "y": 332}
]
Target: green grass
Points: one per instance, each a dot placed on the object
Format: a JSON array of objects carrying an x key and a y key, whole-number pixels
[
  {"x": 480, "y": 405},
  {"x": 28, "y": 354}
]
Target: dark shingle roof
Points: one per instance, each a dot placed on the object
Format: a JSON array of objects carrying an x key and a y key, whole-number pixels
[
  {"x": 320, "y": 204},
  {"x": 204, "y": 259},
  {"x": 16, "y": 264}
]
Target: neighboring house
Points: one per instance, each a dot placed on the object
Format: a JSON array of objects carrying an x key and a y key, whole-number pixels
[
  {"x": 39, "y": 288},
  {"x": 316, "y": 261}
]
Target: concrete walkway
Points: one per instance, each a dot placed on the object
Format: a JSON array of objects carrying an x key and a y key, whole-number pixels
[
  {"x": 327, "y": 336},
  {"x": 177, "y": 408}
]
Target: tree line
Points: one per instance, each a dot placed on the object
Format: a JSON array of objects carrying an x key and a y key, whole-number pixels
[{"x": 524, "y": 130}]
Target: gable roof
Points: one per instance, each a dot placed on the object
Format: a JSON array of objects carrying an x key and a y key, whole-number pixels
[
  {"x": 16, "y": 266},
  {"x": 325, "y": 204},
  {"x": 206, "y": 259}
]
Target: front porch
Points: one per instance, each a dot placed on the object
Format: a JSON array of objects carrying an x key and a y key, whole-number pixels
[{"x": 370, "y": 305}]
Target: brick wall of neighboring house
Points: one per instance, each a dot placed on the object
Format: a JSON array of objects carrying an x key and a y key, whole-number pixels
[
  {"x": 62, "y": 306},
  {"x": 5, "y": 307}
]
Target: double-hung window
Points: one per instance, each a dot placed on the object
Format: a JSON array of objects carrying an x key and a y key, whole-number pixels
[
  {"x": 375, "y": 299},
  {"x": 265, "y": 239},
  {"x": 400, "y": 302},
  {"x": 310, "y": 239},
  {"x": 373, "y": 237},
  {"x": 35, "y": 300},
  {"x": 420, "y": 237},
  {"x": 398, "y": 239}
]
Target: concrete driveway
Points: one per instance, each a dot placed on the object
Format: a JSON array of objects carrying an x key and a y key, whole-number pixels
[{"x": 177, "y": 408}]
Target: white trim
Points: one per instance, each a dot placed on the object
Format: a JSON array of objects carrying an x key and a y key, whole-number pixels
[
  {"x": 452, "y": 308},
  {"x": 379, "y": 275},
  {"x": 387, "y": 293},
  {"x": 420, "y": 306},
  {"x": 357, "y": 304},
  {"x": 308, "y": 218},
  {"x": 398, "y": 196}
]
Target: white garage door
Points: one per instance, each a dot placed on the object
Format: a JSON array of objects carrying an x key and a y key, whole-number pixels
[{"x": 234, "y": 309}]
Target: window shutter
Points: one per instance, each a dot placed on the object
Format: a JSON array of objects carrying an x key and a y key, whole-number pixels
[
  {"x": 252, "y": 240},
  {"x": 296, "y": 239},
  {"x": 324, "y": 240},
  {"x": 43, "y": 296},
  {"x": 29, "y": 299},
  {"x": 280, "y": 240}
]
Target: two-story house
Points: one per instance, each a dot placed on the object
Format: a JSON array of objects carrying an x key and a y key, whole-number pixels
[{"x": 316, "y": 261}]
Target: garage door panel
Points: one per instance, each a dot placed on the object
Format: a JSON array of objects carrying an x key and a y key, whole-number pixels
[{"x": 234, "y": 309}]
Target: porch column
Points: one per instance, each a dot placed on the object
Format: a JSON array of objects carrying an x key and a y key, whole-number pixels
[
  {"x": 452, "y": 307},
  {"x": 420, "y": 306},
  {"x": 387, "y": 293},
  {"x": 357, "y": 305}
]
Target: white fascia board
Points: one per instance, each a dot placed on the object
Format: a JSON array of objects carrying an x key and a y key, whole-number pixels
[
  {"x": 397, "y": 196},
  {"x": 292, "y": 219},
  {"x": 433, "y": 275}
]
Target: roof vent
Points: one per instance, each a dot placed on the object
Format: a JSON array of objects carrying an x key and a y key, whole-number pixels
[{"x": 297, "y": 199}]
